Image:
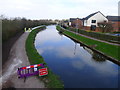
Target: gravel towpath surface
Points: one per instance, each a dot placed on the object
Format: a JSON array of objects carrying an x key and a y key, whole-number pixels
[{"x": 18, "y": 58}]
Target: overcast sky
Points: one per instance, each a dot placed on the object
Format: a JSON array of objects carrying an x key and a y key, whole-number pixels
[{"x": 57, "y": 9}]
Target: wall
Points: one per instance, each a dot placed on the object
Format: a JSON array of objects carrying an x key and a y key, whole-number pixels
[
  {"x": 86, "y": 28},
  {"x": 89, "y": 28},
  {"x": 98, "y": 17},
  {"x": 77, "y": 24},
  {"x": 116, "y": 26}
]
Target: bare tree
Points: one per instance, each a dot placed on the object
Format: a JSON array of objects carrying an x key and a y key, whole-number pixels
[
  {"x": 12, "y": 26},
  {"x": 105, "y": 27}
]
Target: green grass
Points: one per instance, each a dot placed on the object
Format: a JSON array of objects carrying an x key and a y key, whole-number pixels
[
  {"x": 108, "y": 49},
  {"x": 51, "y": 80}
]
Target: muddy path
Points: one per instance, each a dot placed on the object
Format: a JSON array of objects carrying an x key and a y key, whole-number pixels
[
  {"x": 18, "y": 58},
  {"x": 6, "y": 46}
]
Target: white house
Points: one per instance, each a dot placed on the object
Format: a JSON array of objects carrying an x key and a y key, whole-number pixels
[{"x": 93, "y": 19}]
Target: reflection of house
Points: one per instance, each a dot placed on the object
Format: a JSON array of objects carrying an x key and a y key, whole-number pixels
[
  {"x": 91, "y": 22},
  {"x": 76, "y": 23},
  {"x": 115, "y": 20}
]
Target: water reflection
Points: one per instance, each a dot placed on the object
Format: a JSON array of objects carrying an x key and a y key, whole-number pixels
[
  {"x": 48, "y": 37},
  {"x": 88, "y": 50},
  {"x": 75, "y": 48},
  {"x": 76, "y": 65},
  {"x": 96, "y": 56},
  {"x": 60, "y": 33}
]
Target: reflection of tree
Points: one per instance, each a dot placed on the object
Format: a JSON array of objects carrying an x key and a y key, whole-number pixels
[
  {"x": 60, "y": 34},
  {"x": 88, "y": 50},
  {"x": 97, "y": 57},
  {"x": 82, "y": 45}
]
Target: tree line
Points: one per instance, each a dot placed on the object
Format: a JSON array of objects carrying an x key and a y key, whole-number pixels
[{"x": 11, "y": 27}]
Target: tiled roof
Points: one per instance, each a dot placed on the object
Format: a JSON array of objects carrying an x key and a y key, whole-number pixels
[
  {"x": 113, "y": 18},
  {"x": 72, "y": 19},
  {"x": 86, "y": 18}
]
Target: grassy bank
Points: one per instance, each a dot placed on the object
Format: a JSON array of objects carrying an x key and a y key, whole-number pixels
[
  {"x": 108, "y": 49},
  {"x": 51, "y": 80},
  {"x": 98, "y": 35}
]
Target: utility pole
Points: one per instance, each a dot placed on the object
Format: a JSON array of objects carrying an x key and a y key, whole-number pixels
[{"x": 77, "y": 26}]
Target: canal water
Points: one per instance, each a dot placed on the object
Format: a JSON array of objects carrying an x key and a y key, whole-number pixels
[{"x": 77, "y": 66}]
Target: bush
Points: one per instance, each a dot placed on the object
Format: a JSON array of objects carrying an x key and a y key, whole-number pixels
[{"x": 11, "y": 27}]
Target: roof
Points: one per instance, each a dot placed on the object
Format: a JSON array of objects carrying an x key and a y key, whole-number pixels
[
  {"x": 65, "y": 21},
  {"x": 86, "y": 18},
  {"x": 72, "y": 19},
  {"x": 113, "y": 18}
]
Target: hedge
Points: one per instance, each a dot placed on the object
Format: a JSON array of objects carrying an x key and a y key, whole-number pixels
[{"x": 96, "y": 35}]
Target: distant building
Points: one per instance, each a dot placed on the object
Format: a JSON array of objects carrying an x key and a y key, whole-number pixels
[
  {"x": 64, "y": 23},
  {"x": 115, "y": 20},
  {"x": 71, "y": 20},
  {"x": 91, "y": 21},
  {"x": 76, "y": 23},
  {"x": 57, "y": 21}
]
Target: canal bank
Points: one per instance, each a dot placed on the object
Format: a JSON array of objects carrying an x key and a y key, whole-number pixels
[
  {"x": 18, "y": 58},
  {"x": 75, "y": 66},
  {"x": 51, "y": 80},
  {"x": 112, "y": 52}
]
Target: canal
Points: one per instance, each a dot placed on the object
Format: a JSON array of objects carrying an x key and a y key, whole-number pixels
[{"x": 77, "y": 66}]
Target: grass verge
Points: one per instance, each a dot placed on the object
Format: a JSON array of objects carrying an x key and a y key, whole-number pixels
[
  {"x": 51, "y": 80},
  {"x": 108, "y": 49}
]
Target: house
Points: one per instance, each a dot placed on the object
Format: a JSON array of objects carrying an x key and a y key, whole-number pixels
[
  {"x": 75, "y": 23},
  {"x": 91, "y": 21},
  {"x": 57, "y": 21},
  {"x": 64, "y": 23},
  {"x": 71, "y": 20},
  {"x": 115, "y": 20}
]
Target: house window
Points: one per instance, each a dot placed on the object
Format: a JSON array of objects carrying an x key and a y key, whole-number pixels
[{"x": 93, "y": 21}]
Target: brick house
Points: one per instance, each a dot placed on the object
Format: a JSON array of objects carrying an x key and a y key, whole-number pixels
[
  {"x": 64, "y": 23},
  {"x": 91, "y": 21},
  {"x": 76, "y": 23},
  {"x": 115, "y": 20}
]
